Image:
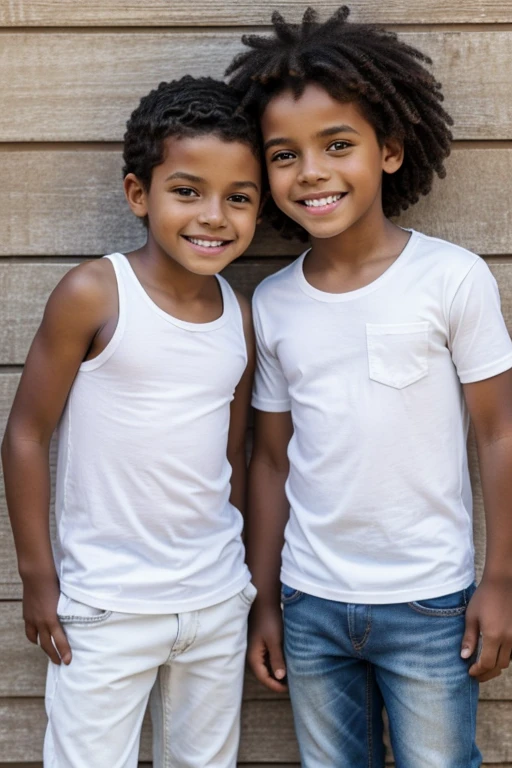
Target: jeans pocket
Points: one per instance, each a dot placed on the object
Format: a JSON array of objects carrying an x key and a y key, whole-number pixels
[
  {"x": 289, "y": 594},
  {"x": 397, "y": 353},
  {"x": 71, "y": 611},
  {"x": 453, "y": 604}
]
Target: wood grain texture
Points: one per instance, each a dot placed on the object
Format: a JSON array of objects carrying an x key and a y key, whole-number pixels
[
  {"x": 90, "y": 13},
  {"x": 267, "y": 732},
  {"x": 70, "y": 203},
  {"x": 23, "y": 666},
  {"x": 25, "y": 289},
  {"x": 63, "y": 86}
]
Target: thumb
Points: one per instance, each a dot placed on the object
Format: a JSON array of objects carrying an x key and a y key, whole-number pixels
[
  {"x": 276, "y": 660},
  {"x": 470, "y": 639}
]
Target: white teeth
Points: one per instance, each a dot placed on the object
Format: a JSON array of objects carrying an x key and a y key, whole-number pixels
[
  {"x": 206, "y": 243},
  {"x": 321, "y": 201}
]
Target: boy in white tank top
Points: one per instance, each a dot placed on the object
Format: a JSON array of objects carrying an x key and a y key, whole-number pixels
[
  {"x": 145, "y": 361},
  {"x": 374, "y": 349}
]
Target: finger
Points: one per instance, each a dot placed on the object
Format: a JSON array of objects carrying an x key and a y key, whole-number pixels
[
  {"x": 470, "y": 639},
  {"x": 31, "y": 632},
  {"x": 60, "y": 641},
  {"x": 45, "y": 641},
  {"x": 504, "y": 656},
  {"x": 488, "y": 657},
  {"x": 276, "y": 660},
  {"x": 256, "y": 658},
  {"x": 496, "y": 672}
]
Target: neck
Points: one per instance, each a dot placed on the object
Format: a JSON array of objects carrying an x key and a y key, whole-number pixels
[
  {"x": 157, "y": 268},
  {"x": 361, "y": 243}
]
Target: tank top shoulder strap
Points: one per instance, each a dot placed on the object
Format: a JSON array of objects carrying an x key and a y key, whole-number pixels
[
  {"x": 116, "y": 259},
  {"x": 231, "y": 304},
  {"x": 233, "y": 312}
]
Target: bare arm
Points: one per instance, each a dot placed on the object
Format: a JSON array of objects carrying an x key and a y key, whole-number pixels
[
  {"x": 73, "y": 316},
  {"x": 490, "y": 610},
  {"x": 268, "y": 513},
  {"x": 239, "y": 414}
]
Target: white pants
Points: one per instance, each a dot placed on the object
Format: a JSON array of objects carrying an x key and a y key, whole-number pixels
[{"x": 194, "y": 662}]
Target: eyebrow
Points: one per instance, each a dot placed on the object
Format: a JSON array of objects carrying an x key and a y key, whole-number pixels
[
  {"x": 331, "y": 131},
  {"x": 198, "y": 180}
]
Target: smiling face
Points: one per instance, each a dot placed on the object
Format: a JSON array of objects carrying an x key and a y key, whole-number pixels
[
  {"x": 324, "y": 162},
  {"x": 202, "y": 204}
]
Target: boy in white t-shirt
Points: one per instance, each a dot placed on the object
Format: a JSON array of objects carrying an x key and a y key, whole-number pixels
[
  {"x": 145, "y": 360},
  {"x": 375, "y": 348}
]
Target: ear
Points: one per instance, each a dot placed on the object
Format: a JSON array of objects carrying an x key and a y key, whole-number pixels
[
  {"x": 392, "y": 155},
  {"x": 135, "y": 194}
]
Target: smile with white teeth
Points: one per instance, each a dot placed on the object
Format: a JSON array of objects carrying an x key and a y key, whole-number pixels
[
  {"x": 207, "y": 243},
  {"x": 316, "y": 203}
]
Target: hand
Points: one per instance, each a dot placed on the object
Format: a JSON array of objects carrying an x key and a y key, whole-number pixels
[
  {"x": 265, "y": 651},
  {"x": 42, "y": 626},
  {"x": 489, "y": 613}
]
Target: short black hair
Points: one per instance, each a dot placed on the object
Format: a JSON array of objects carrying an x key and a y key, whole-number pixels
[
  {"x": 360, "y": 63},
  {"x": 186, "y": 107}
]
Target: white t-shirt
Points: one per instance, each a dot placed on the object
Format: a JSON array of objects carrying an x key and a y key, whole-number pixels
[
  {"x": 378, "y": 486},
  {"x": 144, "y": 521}
]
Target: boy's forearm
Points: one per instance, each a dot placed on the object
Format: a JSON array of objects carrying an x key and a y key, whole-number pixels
[
  {"x": 268, "y": 513},
  {"x": 495, "y": 459},
  {"x": 27, "y": 482}
]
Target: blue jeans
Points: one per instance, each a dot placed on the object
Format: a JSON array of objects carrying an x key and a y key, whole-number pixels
[{"x": 347, "y": 662}]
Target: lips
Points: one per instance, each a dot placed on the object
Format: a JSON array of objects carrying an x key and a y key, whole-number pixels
[
  {"x": 317, "y": 202},
  {"x": 207, "y": 246},
  {"x": 321, "y": 203},
  {"x": 206, "y": 243}
]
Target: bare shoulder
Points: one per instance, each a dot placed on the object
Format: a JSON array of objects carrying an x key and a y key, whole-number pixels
[
  {"x": 88, "y": 290},
  {"x": 91, "y": 281}
]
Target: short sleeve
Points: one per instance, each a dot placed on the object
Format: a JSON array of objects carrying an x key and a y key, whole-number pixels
[
  {"x": 479, "y": 340},
  {"x": 270, "y": 391}
]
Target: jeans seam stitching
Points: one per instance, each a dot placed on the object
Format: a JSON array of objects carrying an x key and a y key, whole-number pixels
[
  {"x": 437, "y": 611},
  {"x": 167, "y": 718},
  {"x": 368, "y": 716},
  {"x": 72, "y": 619},
  {"x": 359, "y": 646}
]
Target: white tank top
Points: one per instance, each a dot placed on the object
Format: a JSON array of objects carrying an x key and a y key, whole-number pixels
[{"x": 144, "y": 522}]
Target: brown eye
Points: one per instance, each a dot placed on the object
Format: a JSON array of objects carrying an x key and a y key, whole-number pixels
[
  {"x": 338, "y": 146},
  {"x": 284, "y": 155},
  {"x": 185, "y": 192}
]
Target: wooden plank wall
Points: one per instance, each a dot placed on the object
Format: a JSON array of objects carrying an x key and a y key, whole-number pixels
[{"x": 70, "y": 74}]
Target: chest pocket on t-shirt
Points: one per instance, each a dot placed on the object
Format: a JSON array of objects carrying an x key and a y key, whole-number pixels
[{"x": 397, "y": 353}]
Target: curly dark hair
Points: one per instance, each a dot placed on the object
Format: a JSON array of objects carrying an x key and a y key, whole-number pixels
[
  {"x": 359, "y": 63},
  {"x": 186, "y": 107}
]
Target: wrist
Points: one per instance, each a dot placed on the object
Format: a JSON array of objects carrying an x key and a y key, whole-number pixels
[
  {"x": 500, "y": 578},
  {"x": 37, "y": 572}
]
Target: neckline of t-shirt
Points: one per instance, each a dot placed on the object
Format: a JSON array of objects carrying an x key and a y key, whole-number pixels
[
  {"x": 185, "y": 324},
  {"x": 319, "y": 295}
]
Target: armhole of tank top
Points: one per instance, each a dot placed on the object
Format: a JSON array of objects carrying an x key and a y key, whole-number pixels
[
  {"x": 232, "y": 306},
  {"x": 106, "y": 354}
]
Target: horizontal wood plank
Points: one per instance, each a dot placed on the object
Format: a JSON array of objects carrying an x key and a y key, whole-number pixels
[
  {"x": 23, "y": 666},
  {"x": 88, "y": 13},
  {"x": 267, "y": 732},
  {"x": 26, "y": 288},
  {"x": 71, "y": 203},
  {"x": 88, "y": 90}
]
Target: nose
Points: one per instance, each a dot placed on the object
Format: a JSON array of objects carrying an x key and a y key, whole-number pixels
[
  {"x": 312, "y": 170},
  {"x": 212, "y": 214}
]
